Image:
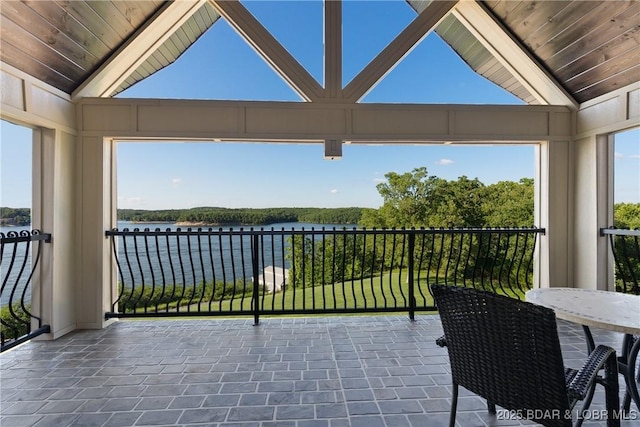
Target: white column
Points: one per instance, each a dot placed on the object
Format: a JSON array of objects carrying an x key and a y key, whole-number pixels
[
  {"x": 554, "y": 213},
  {"x": 54, "y": 283},
  {"x": 593, "y": 207},
  {"x": 95, "y": 213}
]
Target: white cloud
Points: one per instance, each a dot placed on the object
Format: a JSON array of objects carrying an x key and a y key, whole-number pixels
[
  {"x": 445, "y": 162},
  {"x": 175, "y": 182},
  {"x": 334, "y": 191},
  {"x": 619, "y": 155},
  {"x": 379, "y": 180}
]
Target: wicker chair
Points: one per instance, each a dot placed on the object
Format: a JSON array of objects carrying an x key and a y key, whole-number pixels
[{"x": 508, "y": 352}]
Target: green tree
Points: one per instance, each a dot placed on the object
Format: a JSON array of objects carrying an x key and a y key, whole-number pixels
[
  {"x": 459, "y": 204},
  {"x": 626, "y": 215},
  {"x": 508, "y": 204},
  {"x": 409, "y": 200}
]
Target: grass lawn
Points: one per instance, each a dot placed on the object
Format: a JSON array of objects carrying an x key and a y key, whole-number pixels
[{"x": 391, "y": 291}]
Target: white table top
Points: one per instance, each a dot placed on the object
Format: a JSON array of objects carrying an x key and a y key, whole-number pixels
[{"x": 599, "y": 309}]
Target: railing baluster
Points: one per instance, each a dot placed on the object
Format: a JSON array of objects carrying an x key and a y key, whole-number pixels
[
  {"x": 401, "y": 268},
  {"x": 384, "y": 249},
  {"x": 412, "y": 296},
  {"x": 324, "y": 251},
  {"x": 17, "y": 277},
  {"x": 203, "y": 277},
  {"x": 374, "y": 290},
  {"x": 354, "y": 250},
  {"x": 255, "y": 262},
  {"x": 333, "y": 272},
  {"x": 420, "y": 265},
  {"x": 362, "y": 264},
  {"x": 376, "y": 270},
  {"x": 213, "y": 269},
  {"x": 286, "y": 284},
  {"x": 224, "y": 271}
]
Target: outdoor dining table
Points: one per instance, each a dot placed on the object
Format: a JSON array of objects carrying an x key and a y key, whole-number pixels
[{"x": 612, "y": 311}]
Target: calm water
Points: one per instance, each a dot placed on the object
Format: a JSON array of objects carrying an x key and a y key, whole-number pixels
[
  {"x": 222, "y": 258},
  {"x": 191, "y": 260},
  {"x": 11, "y": 265}
]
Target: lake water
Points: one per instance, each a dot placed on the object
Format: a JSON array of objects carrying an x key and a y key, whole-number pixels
[
  {"x": 219, "y": 258},
  {"x": 193, "y": 259},
  {"x": 14, "y": 270}
]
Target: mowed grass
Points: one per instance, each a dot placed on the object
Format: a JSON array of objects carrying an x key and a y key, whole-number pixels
[{"x": 389, "y": 291}]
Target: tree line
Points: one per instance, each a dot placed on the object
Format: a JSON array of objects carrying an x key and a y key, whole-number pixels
[
  {"x": 244, "y": 216},
  {"x": 15, "y": 216},
  {"x": 417, "y": 199},
  {"x": 410, "y": 199}
]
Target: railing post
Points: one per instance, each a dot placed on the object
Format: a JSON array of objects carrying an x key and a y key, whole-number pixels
[
  {"x": 412, "y": 298},
  {"x": 255, "y": 263}
]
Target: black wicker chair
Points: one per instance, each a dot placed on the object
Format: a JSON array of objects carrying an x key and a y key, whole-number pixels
[{"x": 508, "y": 352}]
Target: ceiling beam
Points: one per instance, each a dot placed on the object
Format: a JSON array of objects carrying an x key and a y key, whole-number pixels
[
  {"x": 333, "y": 48},
  {"x": 391, "y": 55},
  {"x": 137, "y": 49},
  {"x": 269, "y": 48},
  {"x": 321, "y": 122},
  {"x": 512, "y": 55}
]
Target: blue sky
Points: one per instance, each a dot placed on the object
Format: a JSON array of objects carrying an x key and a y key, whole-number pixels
[{"x": 222, "y": 66}]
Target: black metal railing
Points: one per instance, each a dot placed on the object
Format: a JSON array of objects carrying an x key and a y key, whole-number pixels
[
  {"x": 20, "y": 253},
  {"x": 207, "y": 272},
  {"x": 625, "y": 247}
]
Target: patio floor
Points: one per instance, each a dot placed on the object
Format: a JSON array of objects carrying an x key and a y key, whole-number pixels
[{"x": 353, "y": 371}]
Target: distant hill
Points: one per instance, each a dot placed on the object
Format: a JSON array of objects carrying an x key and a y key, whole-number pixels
[
  {"x": 15, "y": 216},
  {"x": 213, "y": 215},
  {"x": 244, "y": 216}
]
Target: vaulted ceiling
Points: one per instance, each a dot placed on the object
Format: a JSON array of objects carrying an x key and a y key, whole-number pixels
[{"x": 587, "y": 48}]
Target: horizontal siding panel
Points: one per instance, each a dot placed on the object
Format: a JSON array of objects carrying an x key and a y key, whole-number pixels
[
  {"x": 403, "y": 122},
  {"x": 511, "y": 123},
  {"x": 188, "y": 119},
  {"x": 274, "y": 120}
]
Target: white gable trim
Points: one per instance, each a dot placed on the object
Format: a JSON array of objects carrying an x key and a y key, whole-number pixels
[
  {"x": 511, "y": 55},
  {"x": 144, "y": 42}
]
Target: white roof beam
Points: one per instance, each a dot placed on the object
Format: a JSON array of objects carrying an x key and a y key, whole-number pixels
[
  {"x": 396, "y": 50},
  {"x": 333, "y": 48},
  {"x": 269, "y": 48},
  {"x": 142, "y": 44},
  {"x": 512, "y": 55},
  {"x": 329, "y": 122}
]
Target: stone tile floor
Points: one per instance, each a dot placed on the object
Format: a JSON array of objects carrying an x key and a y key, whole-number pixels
[{"x": 373, "y": 371}]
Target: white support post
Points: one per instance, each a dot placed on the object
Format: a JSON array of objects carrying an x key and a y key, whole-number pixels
[
  {"x": 593, "y": 204},
  {"x": 96, "y": 208},
  {"x": 54, "y": 286},
  {"x": 554, "y": 214}
]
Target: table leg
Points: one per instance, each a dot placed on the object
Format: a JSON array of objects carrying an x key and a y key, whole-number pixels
[
  {"x": 627, "y": 367},
  {"x": 589, "y": 397},
  {"x": 591, "y": 345}
]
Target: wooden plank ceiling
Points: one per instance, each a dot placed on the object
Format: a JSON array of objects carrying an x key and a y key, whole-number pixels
[{"x": 589, "y": 47}]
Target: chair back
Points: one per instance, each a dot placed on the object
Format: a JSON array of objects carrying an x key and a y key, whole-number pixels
[{"x": 506, "y": 351}]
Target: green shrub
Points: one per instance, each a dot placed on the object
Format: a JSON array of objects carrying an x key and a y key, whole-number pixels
[
  {"x": 172, "y": 296},
  {"x": 14, "y": 325}
]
